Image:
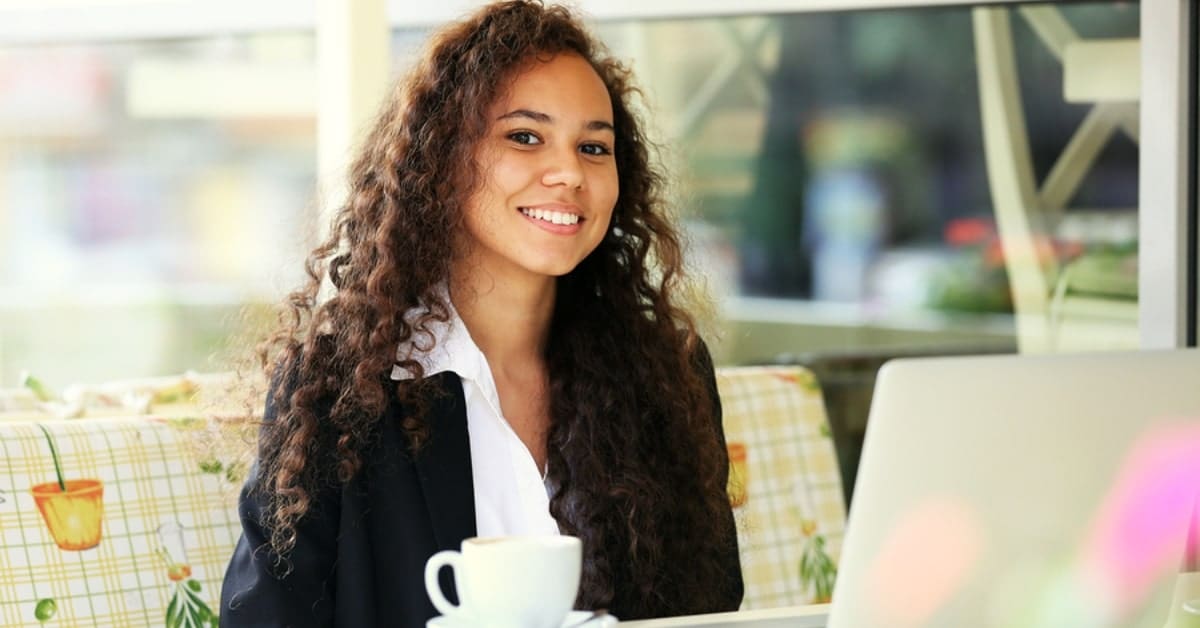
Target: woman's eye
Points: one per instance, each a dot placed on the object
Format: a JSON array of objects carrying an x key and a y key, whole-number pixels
[
  {"x": 595, "y": 149},
  {"x": 524, "y": 137}
]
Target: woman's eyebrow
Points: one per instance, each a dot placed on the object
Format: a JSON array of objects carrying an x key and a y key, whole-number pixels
[
  {"x": 545, "y": 118},
  {"x": 536, "y": 116}
]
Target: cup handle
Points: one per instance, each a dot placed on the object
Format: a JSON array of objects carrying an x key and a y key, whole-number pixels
[{"x": 444, "y": 558}]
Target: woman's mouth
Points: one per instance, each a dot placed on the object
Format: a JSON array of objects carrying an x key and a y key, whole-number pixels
[{"x": 553, "y": 217}]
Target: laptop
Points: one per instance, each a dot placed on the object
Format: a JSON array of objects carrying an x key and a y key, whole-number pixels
[
  {"x": 1023, "y": 491},
  {"x": 1012, "y": 491}
]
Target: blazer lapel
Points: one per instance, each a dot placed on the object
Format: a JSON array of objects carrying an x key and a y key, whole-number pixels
[{"x": 444, "y": 466}]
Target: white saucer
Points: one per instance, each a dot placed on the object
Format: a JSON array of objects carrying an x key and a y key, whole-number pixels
[{"x": 573, "y": 618}]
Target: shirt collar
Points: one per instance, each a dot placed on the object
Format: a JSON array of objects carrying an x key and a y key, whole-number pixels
[{"x": 453, "y": 349}]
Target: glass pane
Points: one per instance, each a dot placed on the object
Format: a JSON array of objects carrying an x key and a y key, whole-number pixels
[
  {"x": 866, "y": 185},
  {"x": 147, "y": 191},
  {"x": 836, "y": 169}
]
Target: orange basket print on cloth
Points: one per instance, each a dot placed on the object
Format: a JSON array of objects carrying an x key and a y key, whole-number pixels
[
  {"x": 72, "y": 509},
  {"x": 738, "y": 475}
]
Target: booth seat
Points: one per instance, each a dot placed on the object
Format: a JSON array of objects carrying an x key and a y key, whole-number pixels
[
  {"x": 148, "y": 520},
  {"x": 785, "y": 484},
  {"x": 143, "y": 532}
]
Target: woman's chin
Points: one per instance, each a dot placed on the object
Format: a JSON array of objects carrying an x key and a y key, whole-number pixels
[{"x": 553, "y": 267}]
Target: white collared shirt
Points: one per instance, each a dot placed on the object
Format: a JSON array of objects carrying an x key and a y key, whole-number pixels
[{"x": 510, "y": 494}]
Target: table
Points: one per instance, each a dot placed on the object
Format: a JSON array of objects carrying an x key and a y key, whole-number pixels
[{"x": 807, "y": 616}]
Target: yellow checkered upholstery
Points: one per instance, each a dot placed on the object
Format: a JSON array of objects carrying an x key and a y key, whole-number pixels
[
  {"x": 163, "y": 488},
  {"x": 156, "y": 473},
  {"x": 791, "y": 481}
]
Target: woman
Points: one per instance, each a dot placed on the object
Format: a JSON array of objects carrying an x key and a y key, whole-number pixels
[{"x": 503, "y": 353}]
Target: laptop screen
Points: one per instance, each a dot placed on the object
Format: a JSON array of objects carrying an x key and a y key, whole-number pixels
[{"x": 1023, "y": 491}]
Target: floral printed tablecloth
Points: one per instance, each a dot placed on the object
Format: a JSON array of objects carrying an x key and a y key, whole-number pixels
[
  {"x": 148, "y": 519},
  {"x": 140, "y": 536},
  {"x": 785, "y": 484}
]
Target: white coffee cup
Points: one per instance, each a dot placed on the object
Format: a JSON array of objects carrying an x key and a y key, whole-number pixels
[{"x": 503, "y": 582}]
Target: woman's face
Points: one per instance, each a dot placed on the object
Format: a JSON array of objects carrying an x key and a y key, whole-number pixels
[{"x": 548, "y": 175}]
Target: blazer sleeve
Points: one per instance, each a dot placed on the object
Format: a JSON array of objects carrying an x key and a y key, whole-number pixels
[
  {"x": 261, "y": 590},
  {"x": 731, "y": 591}
]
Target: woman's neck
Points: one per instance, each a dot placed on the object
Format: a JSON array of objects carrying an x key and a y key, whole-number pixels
[{"x": 508, "y": 320}]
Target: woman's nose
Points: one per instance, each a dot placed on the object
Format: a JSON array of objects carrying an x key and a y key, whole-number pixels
[{"x": 563, "y": 168}]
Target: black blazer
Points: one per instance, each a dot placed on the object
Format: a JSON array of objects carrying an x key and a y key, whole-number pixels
[{"x": 360, "y": 553}]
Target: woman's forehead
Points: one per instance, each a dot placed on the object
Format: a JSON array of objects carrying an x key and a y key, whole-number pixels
[{"x": 564, "y": 87}]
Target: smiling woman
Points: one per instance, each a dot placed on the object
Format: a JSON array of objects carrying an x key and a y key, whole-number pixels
[
  {"x": 550, "y": 163},
  {"x": 499, "y": 356}
]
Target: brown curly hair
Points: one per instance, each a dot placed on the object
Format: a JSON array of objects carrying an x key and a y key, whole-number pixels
[{"x": 634, "y": 456}]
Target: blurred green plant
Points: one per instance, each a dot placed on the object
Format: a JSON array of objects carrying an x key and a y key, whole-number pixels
[
  {"x": 36, "y": 386},
  {"x": 817, "y": 569}
]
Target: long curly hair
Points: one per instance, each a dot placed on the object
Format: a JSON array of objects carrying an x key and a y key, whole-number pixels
[{"x": 634, "y": 454}]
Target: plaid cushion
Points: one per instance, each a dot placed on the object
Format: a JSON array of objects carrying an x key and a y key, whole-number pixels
[
  {"x": 147, "y": 525},
  {"x": 149, "y": 520},
  {"x": 793, "y": 511}
]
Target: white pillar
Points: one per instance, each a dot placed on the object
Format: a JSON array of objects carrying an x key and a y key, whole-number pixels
[
  {"x": 1163, "y": 175},
  {"x": 352, "y": 78}
]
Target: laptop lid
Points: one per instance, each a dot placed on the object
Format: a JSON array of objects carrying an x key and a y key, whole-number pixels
[{"x": 1023, "y": 491}]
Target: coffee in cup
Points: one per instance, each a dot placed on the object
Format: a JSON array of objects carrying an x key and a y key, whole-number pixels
[{"x": 509, "y": 582}]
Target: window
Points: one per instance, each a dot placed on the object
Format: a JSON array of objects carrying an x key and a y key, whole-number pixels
[
  {"x": 148, "y": 190},
  {"x": 835, "y": 169},
  {"x": 864, "y": 185}
]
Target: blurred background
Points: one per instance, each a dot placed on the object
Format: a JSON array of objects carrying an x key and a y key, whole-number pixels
[{"x": 858, "y": 180}]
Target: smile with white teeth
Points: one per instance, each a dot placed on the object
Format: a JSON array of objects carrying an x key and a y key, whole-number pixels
[{"x": 558, "y": 218}]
